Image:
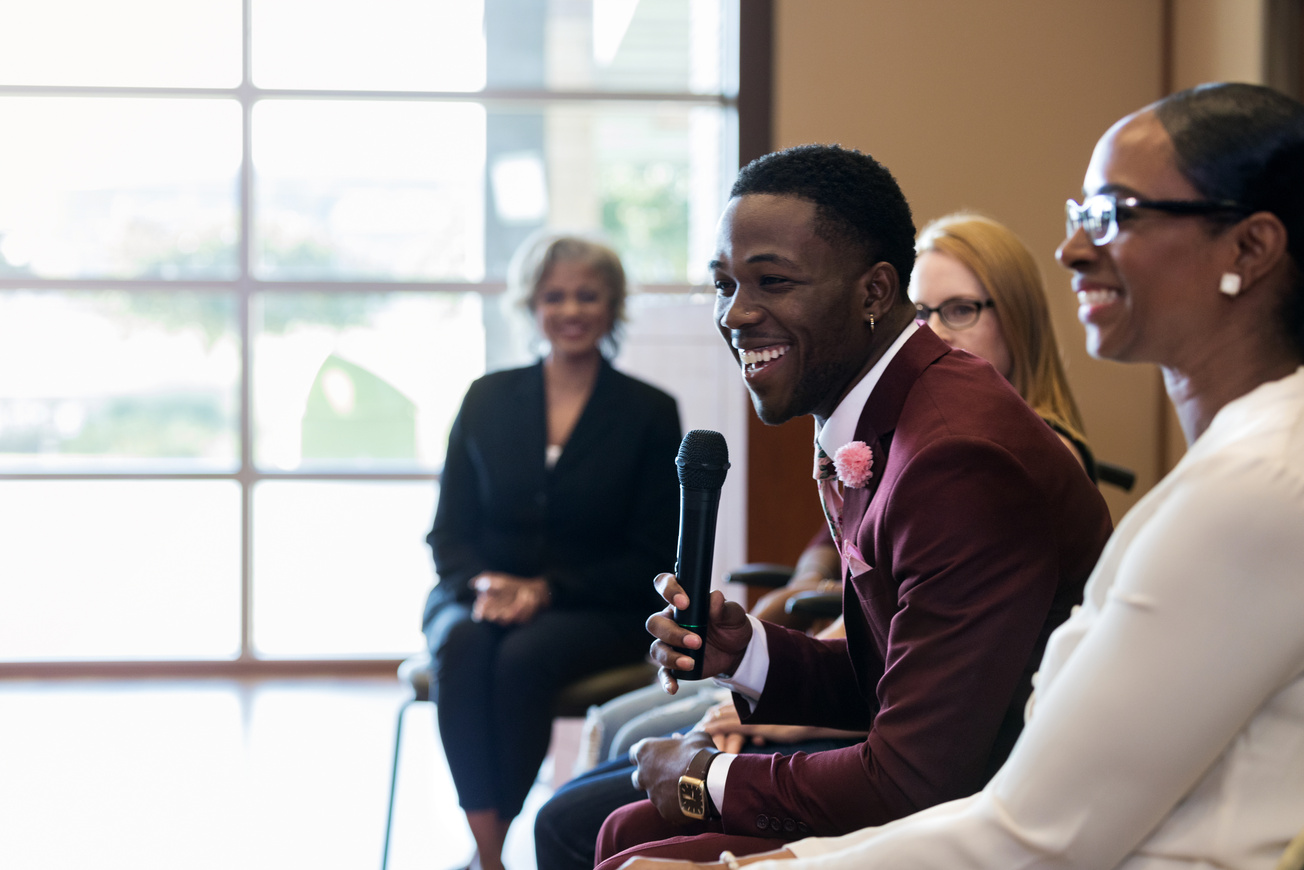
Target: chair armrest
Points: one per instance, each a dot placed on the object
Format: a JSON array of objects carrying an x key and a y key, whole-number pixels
[
  {"x": 416, "y": 672},
  {"x": 817, "y": 605},
  {"x": 765, "y": 574},
  {"x": 1116, "y": 475}
]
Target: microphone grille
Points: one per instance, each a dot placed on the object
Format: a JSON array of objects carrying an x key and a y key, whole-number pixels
[{"x": 703, "y": 460}]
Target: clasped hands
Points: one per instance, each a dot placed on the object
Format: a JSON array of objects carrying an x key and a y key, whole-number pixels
[{"x": 506, "y": 599}]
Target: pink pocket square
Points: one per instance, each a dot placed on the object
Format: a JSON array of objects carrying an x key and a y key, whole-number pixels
[{"x": 852, "y": 560}]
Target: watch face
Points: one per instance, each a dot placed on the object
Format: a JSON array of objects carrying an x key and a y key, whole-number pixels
[{"x": 692, "y": 802}]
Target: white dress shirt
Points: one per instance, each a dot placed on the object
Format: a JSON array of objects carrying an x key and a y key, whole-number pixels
[
  {"x": 1167, "y": 727},
  {"x": 838, "y": 429}
]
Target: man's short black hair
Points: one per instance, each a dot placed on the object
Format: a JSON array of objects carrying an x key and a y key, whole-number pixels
[{"x": 857, "y": 201}]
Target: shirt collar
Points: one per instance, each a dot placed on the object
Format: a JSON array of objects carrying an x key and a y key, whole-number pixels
[
  {"x": 1244, "y": 416},
  {"x": 840, "y": 427}
]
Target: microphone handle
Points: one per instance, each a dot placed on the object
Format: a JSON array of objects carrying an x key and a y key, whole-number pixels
[{"x": 697, "y": 514}]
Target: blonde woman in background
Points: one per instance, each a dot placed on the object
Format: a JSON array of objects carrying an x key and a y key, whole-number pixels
[{"x": 978, "y": 287}]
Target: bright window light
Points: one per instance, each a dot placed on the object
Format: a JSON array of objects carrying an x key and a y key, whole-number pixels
[{"x": 249, "y": 267}]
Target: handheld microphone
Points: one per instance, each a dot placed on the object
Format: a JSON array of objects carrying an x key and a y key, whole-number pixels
[{"x": 703, "y": 462}]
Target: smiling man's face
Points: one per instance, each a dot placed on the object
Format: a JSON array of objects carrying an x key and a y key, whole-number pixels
[{"x": 791, "y": 305}]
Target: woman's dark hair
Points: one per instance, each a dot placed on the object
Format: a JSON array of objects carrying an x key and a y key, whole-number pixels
[
  {"x": 857, "y": 201},
  {"x": 1245, "y": 143}
]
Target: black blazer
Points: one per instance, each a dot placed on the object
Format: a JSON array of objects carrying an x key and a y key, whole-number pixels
[{"x": 599, "y": 526}]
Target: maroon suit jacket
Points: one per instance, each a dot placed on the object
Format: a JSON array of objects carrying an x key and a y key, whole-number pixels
[{"x": 980, "y": 529}]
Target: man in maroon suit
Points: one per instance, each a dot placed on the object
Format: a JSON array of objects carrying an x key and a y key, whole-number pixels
[{"x": 966, "y": 528}]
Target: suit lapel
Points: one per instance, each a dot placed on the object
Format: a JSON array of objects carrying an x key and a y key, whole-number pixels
[
  {"x": 601, "y": 412},
  {"x": 878, "y": 420},
  {"x": 530, "y": 419}
]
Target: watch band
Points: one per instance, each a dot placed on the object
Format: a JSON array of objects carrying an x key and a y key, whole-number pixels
[
  {"x": 701, "y": 762},
  {"x": 697, "y": 769}
]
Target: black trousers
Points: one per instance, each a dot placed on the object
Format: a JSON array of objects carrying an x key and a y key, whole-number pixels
[{"x": 494, "y": 686}]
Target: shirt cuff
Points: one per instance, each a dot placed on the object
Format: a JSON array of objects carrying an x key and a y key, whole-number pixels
[
  {"x": 749, "y": 679},
  {"x": 716, "y": 775}
]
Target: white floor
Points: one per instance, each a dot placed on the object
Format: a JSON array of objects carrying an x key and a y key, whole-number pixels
[{"x": 199, "y": 774}]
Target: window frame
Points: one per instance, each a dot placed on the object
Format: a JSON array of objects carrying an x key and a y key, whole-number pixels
[{"x": 745, "y": 104}]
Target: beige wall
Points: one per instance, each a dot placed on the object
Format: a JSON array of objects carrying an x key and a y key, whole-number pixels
[
  {"x": 1219, "y": 40},
  {"x": 993, "y": 106}
]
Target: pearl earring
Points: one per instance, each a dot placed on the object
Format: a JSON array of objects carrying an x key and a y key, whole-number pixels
[{"x": 1230, "y": 284}]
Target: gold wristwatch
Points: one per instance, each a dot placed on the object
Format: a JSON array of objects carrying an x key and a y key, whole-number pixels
[{"x": 694, "y": 799}]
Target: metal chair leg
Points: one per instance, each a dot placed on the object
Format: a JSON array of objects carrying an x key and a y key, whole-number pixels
[{"x": 393, "y": 781}]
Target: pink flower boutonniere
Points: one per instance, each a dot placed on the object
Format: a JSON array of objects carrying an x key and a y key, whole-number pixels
[{"x": 854, "y": 462}]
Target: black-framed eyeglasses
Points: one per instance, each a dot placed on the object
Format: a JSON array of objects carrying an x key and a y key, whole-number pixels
[
  {"x": 955, "y": 313},
  {"x": 1098, "y": 214}
]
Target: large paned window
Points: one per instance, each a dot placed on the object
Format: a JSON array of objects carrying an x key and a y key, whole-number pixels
[{"x": 252, "y": 252}]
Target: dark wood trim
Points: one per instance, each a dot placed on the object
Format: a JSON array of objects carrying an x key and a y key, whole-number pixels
[
  {"x": 1166, "y": 43},
  {"x": 783, "y": 506},
  {"x": 755, "y": 80},
  {"x": 783, "y": 509},
  {"x": 1283, "y": 41}
]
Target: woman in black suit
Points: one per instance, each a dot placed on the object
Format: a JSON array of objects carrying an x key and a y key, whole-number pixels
[{"x": 558, "y": 505}]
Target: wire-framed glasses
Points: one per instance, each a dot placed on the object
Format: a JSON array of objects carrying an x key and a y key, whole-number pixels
[
  {"x": 955, "y": 313},
  {"x": 1098, "y": 215}
]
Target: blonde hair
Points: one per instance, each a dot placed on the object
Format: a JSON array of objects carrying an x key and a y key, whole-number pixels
[{"x": 1007, "y": 271}]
